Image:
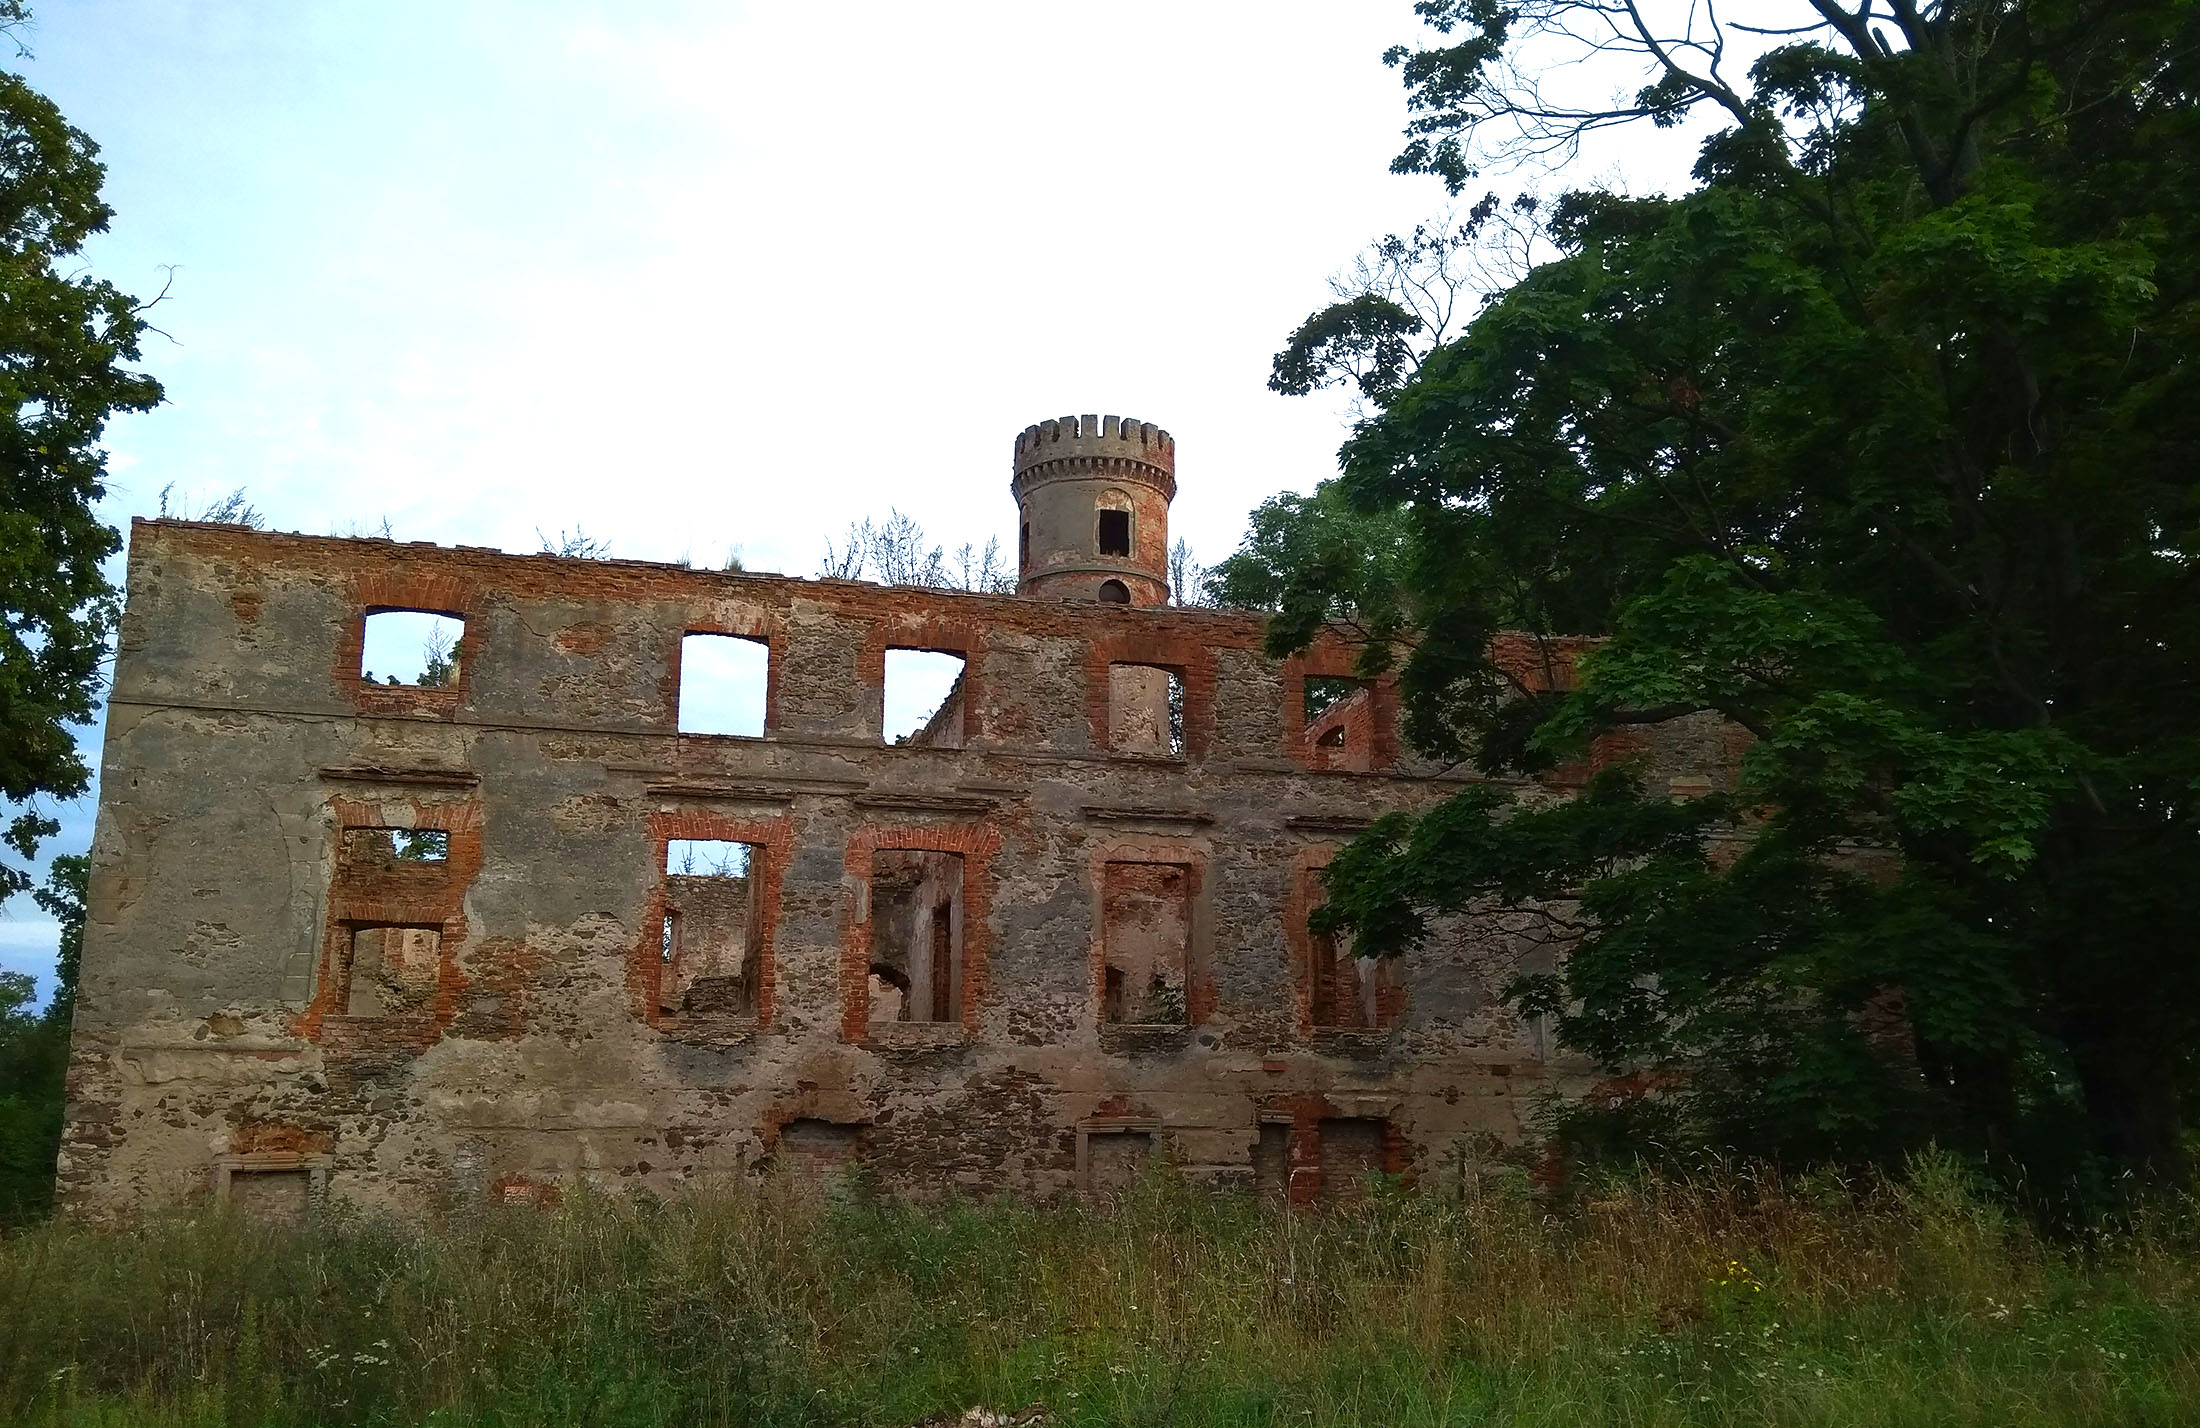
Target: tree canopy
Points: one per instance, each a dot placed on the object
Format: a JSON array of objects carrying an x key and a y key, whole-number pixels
[
  {"x": 67, "y": 342},
  {"x": 1882, "y": 441}
]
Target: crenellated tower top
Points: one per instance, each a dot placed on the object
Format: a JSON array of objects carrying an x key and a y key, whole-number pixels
[{"x": 1093, "y": 495}]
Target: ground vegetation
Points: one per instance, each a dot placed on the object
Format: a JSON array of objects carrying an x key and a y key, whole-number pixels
[{"x": 1734, "y": 1297}]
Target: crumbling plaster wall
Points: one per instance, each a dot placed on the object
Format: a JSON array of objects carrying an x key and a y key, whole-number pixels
[{"x": 212, "y": 1039}]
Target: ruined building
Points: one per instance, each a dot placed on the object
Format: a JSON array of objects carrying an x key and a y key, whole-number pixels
[{"x": 518, "y": 921}]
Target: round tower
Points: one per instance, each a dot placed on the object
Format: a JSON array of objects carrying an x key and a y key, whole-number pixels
[{"x": 1092, "y": 499}]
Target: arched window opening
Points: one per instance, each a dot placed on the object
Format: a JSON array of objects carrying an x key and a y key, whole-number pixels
[{"x": 1114, "y": 592}]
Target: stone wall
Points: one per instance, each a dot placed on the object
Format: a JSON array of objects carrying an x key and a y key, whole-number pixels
[{"x": 267, "y": 990}]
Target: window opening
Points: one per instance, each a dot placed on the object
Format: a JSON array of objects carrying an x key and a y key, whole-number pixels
[
  {"x": 1340, "y": 723},
  {"x": 1146, "y": 937},
  {"x": 1115, "y": 532},
  {"x": 1145, "y": 710},
  {"x": 916, "y": 936},
  {"x": 723, "y": 679},
  {"x": 1114, "y": 592},
  {"x": 367, "y": 846},
  {"x": 1345, "y": 992},
  {"x": 392, "y": 971},
  {"x": 1023, "y": 545},
  {"x": 712, "y": 927},
  {"x": 416, "y": 648},
  {"x": 923, "y": 699}
]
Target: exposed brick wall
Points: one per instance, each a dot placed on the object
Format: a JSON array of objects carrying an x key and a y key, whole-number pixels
[{"x": 242, "y": 742}]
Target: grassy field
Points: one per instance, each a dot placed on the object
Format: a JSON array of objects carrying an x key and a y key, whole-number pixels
[{"x": 1738, "y": 1299}]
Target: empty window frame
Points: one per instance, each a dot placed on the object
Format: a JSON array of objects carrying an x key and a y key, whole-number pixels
[
  {"x": 395, "y": 847},
  {"x": 1114, "y": 592},
  {"x": 1112, "y": 524},
  {"x": 1340, "y": 723},
  {"x": 416, "y": 648},
  {"x": 713, "y": 921},
  {"x": 723, "y": 683},
  {"x": 1145, "y": 943},
  {"x": 391, "y": 971},
  {"x": 1346, "y": 992},
  {"x": 922, "y": 701},
  {"x": 1145, "y": 710},
  {"x": 916, "y": 956}
]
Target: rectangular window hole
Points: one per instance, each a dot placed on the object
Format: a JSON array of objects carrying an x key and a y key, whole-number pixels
[
  {"x": 923, "y": 699},
  {"x": 417, "y": 648},
  {"x": 916, "y": 970},
  {"x": 369, "y": 846},
  {"x": 723, "y": 681},
  {"x": 1345, "y": 992},
  {"x": 1115, "y": 532},
  {"x": 713, "y": 924},
  {"x": 1145, "y": 710},
  {"x": 392, "y": 971},
  {"x": 1146, "y": 939},
  {"x": 1340, "y": 723}
]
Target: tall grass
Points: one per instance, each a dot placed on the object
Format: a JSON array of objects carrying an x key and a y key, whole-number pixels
[{"x": 1734, "y": 1299}]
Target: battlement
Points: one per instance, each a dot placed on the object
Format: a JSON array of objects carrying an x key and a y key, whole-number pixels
[{"x": 1123, "y": 445}]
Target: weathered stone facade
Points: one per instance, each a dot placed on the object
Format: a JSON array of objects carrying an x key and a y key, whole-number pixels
[{"x": 400, "y": 943}]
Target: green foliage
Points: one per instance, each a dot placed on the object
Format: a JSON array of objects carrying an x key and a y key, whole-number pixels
[
  {"x": 1723, "y": 1299},
  {"x": 34, "y": 1055},
  {"x": 65, "y": 341},
  {"x": 1364, "y": 340},
  {"x": 1878, "y": 444},
  {"x": 1315, "y": 558}
]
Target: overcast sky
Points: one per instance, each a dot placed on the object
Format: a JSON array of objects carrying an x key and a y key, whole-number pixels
[{"x": 699, "y": 277}]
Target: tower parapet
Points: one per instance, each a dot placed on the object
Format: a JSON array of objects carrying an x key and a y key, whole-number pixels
[
  {"x": 1093, "y": 494},
  {"x": 1137, "y": 450}
]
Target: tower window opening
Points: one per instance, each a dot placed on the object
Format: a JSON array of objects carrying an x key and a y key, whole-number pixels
[
  {"x": 1115, "y": 532},
  {"x": 1114, "y": 592}
]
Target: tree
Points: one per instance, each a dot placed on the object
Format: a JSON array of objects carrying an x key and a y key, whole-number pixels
[
  {"x": 34, "y": 1055},
  {"x": 1878, "y": 443},
  {"x": 894, "y": 551},
  {"x": 1404, "y": 297},
  {"x": 66, "y": 342}
]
